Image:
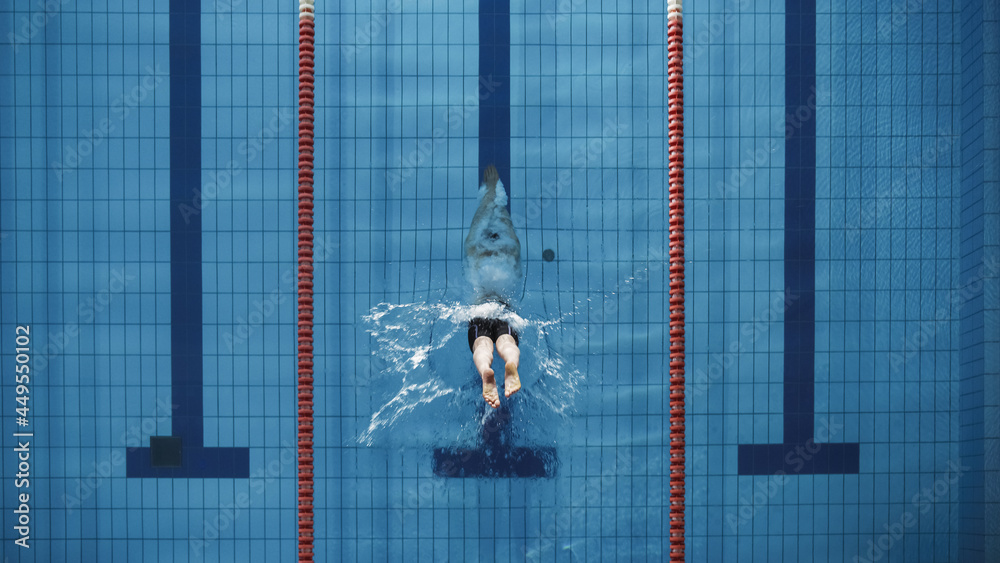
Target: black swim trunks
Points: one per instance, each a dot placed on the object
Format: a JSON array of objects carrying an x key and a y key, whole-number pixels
[{"x": 490, "y": 327}]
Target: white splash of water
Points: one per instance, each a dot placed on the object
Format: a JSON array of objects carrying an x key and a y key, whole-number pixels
[{"x": 429, "y": 390}]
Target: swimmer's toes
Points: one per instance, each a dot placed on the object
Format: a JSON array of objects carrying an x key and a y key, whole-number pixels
[{"x": 492, "y": 397}]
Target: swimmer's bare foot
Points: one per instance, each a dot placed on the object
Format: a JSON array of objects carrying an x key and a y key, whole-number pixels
[
  {"x": 490, "y": 389},
  {"x": 511, "y": 382},
  {"x": 491, "y": 176}
]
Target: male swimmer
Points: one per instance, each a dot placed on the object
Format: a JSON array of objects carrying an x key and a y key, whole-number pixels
[{"x": 493, "y": 266}]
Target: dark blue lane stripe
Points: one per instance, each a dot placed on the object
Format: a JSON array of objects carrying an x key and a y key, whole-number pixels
[
  {"x": 800, "y": 452},
  {"x": 494, "y": 88},
  {"x": 185, "y": 230},
  {"x": 185, "y": 266},
  {"x": 800, "y": 222}
]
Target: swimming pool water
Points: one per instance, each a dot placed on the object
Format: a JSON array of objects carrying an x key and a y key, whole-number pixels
[{"x": 842, "y": 264}]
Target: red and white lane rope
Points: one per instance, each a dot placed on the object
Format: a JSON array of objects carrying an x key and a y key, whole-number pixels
[
  {"x": 305, "y": 282},
  {"x": 675, "y": 97}
]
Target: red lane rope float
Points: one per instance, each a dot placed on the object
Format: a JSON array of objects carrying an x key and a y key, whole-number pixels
[
  {"x": 305, "y": 281},
  {"x": 675, "y": 97}
]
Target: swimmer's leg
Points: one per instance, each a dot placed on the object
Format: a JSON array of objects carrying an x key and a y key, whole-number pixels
[
  {"x": 482, "y": 356},
  {"x": 511, "y": 354}
]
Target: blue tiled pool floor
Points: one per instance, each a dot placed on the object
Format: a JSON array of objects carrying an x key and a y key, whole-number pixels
[{"x": 841, "y": 232}]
